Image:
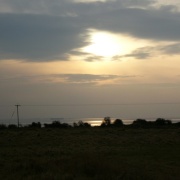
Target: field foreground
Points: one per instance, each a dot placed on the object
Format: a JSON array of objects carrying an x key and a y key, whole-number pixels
[{"x": 85, "y": 154}]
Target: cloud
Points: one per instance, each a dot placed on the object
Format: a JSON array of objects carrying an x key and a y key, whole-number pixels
[
  {"x": 39, "y": 37},
  {"x": 33, "y": 6},
  {"x": 94, "y": 58},
  {"x": 87, "y": 56},
  {"x": 91, "y": 79},
  {"x": 151, "y": 51},
  {"x": 43, "y": 30},
  {"x": 80, "y": 79},
  {"x": 85, "y": 78},
  {"x": 152, "y": 24},
  {"x": 140, "y": 53},
  {"x": 171, "y": 49},
  {"x": 68, "y": 7}
]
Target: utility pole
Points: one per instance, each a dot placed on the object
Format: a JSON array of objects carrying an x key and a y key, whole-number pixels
[{"x": 17, "y": 106}]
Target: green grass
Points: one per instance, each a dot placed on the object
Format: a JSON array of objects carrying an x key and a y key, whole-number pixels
[{"x": 92, "y": 153}]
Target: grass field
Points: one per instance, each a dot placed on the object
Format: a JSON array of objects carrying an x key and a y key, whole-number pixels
[{"x": 90, "y": 153}]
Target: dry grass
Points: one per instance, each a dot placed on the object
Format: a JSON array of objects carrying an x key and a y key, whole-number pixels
[{"x": 95, "y": 153}]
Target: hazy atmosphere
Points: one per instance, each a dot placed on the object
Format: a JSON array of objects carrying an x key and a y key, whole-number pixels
[{"x": 75, "y": 58}]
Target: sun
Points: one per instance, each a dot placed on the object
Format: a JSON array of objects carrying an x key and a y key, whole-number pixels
[
  {"x": 106, "y": 44},
  {"x": 103, "y": 44}
]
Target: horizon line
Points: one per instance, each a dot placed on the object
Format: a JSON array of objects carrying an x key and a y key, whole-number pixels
[{"x": 96, "y": 104}]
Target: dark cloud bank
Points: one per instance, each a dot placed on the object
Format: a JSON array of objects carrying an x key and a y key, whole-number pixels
[{"x": 51, "y": 30}]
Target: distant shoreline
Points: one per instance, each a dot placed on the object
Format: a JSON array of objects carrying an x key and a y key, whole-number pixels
[{"x": 92, "y": 121}]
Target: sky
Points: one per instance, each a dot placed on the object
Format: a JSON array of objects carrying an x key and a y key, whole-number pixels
[{"x": 75, "y": 58}]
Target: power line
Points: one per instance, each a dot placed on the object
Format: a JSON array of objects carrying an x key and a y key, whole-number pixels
[
  {"x": 94, "y": 104},
  {"x": 6, "y": 105},
  {"x": 104, "y": 104}
]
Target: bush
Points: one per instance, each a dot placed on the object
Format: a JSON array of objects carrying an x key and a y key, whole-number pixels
[
  {"x": 57, "y": 124},
  {"x": 3, "y": 126},
  {"x": 12, "y": 126},
  {"x": 81, "y": 124},
  {"x": 118, "y": 123},
  {"x": 162, "y": 122},
  {"x": 140, "y": 123},
  {"x": 35, "y": 125}
]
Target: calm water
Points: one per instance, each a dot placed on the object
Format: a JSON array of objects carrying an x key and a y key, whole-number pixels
[{"x": 92, "y": 121}]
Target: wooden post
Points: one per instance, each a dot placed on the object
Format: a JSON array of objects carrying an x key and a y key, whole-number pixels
[{"x": 17, "y": 106}]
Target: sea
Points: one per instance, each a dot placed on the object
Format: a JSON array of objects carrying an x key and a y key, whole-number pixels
[{"x": 93, "y": 121}]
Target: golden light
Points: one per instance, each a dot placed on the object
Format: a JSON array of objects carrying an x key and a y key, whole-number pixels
[{"x": 107, "y": 44}]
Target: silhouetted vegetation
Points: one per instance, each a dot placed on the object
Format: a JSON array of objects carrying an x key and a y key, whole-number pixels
[
  {"x": 57, "y": 124},
  {"x": 35, "y": 125},
  {"x": 177, "y": 124},
  {"x": 118, "y": 123},
  {"x": 81, "y": 124},
  {"x": 158, "y": 123},
  {"x": 2, "y": 126},
  {"x": 162, "y": 122},
  {"x": 12, "y": 126},
  {"x": 106, "y": 122},
  {"x": 140, "y": 123}
]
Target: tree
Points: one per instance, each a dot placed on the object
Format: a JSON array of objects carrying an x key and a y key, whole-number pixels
[
  {"x": 162, "y": 122},
  {"x": 81, "y": 124},
  {"x": 35, "y": 125},
  {"x": 140, "y": 123},
  {"x": 106, "y": 121},
  {"x": 118, "y": 123},
  {"x": 56, "y": 124}
]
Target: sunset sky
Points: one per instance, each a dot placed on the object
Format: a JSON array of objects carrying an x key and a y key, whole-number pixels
[{"x": 118, "y": 58}]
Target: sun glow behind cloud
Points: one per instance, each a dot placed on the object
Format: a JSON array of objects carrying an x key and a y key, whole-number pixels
[{"x": 106, "y": 44}]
